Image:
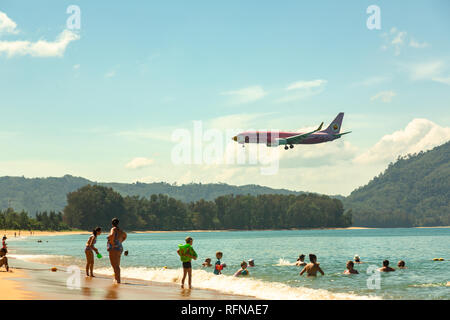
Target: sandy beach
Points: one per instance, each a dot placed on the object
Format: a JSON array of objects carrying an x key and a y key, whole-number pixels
[
  {"x": 26, "y": 233},
  {"x": 36, "y": 281},
  {"x": 11, "y": 288}
]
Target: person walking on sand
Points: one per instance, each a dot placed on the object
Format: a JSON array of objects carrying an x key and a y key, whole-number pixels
[
  {"x": 4, "y": 259},
  {"x": 312, "y": 267},
  {"x": 187, "y": 253},
  {"x": 114, "y": 247},
  {"x": 89, "y": 251}
]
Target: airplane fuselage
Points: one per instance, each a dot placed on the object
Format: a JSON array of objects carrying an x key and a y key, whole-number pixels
[
  {"x": 277, "y": 138},
  {"x": 288, "y": 139}
]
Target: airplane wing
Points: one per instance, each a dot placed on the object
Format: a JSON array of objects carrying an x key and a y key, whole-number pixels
[{"x": 300, "y": 137}]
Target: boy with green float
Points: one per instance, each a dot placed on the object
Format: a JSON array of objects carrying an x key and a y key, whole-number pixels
[{"x": 187, "y": 253}]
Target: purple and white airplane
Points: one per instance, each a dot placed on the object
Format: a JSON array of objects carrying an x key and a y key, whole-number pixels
[{"x": 288, "y": 139}]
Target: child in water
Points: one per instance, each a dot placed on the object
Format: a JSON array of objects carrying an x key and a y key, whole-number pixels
[
  {"x": 89, "y": 251},
  {"x": 207, "y": 263},
  {"x": 243, "y": 270},
  {"x": 401, "y": 264},
  {"x": 218, "y": 266},
  {"x": 301, "y": 261},
  {"x": 350, "y": 269},
  {"x": 312, "y": 268},
  {"x": 187, "y": 253}
]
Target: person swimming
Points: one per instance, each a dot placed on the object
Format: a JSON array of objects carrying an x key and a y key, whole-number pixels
[
  {"x": 401, "y": 264},
  {"x": 350, "y": 269},
  {"x": 242, "y": 271},
  {"x": 357, "y": 259},
  {"x": 251, "y": 262},
  {"x": 89, "y": 251},
  {"x": 385, "y": 267},
  {"x": 312, "y": 267},
  {"x": 207, "y": 263},
  {"x": 301, "y": 261}
]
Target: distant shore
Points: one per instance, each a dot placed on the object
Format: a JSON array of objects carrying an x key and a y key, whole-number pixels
[{"x": 10, "y": 233}]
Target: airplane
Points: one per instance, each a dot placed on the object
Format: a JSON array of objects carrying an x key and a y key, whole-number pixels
[{"x": 288, "y": 139}]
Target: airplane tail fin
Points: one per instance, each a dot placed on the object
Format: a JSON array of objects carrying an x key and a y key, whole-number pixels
[{"x": 335, "y": 126}]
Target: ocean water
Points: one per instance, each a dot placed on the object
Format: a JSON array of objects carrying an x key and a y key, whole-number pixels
[{"x": 153, "y": 257}]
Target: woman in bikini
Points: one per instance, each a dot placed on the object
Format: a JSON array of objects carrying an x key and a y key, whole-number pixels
[
  {"x": 89, "y": 251},
  {"x": 114, "y": 247}
]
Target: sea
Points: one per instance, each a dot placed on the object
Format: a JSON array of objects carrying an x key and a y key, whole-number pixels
[{"x": 153, "y": 257}]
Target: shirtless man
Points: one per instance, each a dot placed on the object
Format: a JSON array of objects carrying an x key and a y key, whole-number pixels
[
  {"x": 350, "y": 269},
  {"x": 301, "y": 261},
  {"x": 312, "y": 268},
  {"x": 4, "y": 259},
  {"x": 386, "y": 267}
]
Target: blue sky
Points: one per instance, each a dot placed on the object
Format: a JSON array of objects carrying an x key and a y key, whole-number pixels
[{"x": 89, "y": 102}]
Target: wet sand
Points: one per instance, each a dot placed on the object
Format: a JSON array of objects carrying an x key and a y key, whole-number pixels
[
  {"x": 11, "y": 289},
  {"x": 37, "y": 281}
]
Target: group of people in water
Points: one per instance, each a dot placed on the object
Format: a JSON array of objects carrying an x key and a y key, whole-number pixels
[
  {"x": 187, "y": 253},
  {"x": 313, "y": 267}
]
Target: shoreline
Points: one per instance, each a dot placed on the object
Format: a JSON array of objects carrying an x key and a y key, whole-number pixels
[
  {"x": 10, "y": 233},
  {"x": 34, "y": 280}
]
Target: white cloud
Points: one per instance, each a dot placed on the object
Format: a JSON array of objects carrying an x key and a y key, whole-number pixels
[
  {"x": 442, "y": 80},
  {"x": 303, "y": 89},
  {"x": 415, "y": 44},
  {"x": 397, "y": 40},
  {"x": 426, "y": 70},
  {"x": 7, "y": 25},
  {"x": 419, "y": 134},
  {"x": 246, "y": 95},
  {"x": 384, "y": 96},
  {"x": 40, "y": 48},
  {"x": 110, "y": 74},
  {"x": 138, "y": 163},
  {"x": 372, "y": 81},
  {"x": 306, "y": 84}
]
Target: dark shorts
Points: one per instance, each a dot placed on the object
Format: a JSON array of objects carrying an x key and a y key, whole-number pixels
[{"x": 187, "y": 265}]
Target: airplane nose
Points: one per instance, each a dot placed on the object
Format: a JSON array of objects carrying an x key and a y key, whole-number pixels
[{"x": 234, "y": 138}]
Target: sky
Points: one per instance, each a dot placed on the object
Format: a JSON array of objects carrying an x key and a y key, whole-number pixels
[{"x": 152, "y": 91}]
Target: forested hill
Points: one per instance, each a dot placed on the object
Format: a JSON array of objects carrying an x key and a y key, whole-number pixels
[
  {"x": 413, "y": 191},
  {"x": 50, "y": 194}
]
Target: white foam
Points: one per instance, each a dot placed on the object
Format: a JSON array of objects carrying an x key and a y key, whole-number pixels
[
  {"x": 283, "y": 262},
  {"x": 232, "y": 285}
]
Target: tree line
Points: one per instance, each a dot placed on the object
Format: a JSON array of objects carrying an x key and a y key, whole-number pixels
[
  {"x": 9, "y": 219},
  {"x": 95, "y": 205}
]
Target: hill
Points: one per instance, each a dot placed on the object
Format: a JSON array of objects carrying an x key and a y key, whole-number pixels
[
  {"x": 413, "y": 191},
  {"x": 50, "y": 194}
]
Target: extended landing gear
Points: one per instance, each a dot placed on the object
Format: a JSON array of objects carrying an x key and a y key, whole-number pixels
[
  {"x": 291, "y": 146},
  {"x": 286, "y": 147}
]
